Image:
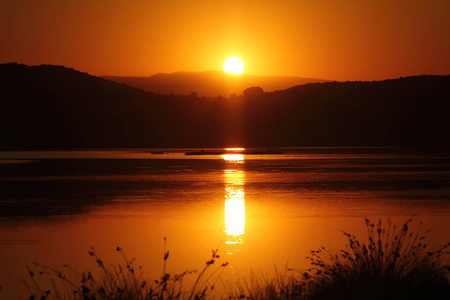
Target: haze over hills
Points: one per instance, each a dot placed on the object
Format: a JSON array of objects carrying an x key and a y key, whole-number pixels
[
  {"x": 54, "y": 107},
  {"x": 210, "y": 83}
]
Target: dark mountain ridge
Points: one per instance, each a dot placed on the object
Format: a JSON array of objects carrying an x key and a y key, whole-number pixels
[
  {"x": 209, "y": 83},
  {"x": 53, "y": 107}
]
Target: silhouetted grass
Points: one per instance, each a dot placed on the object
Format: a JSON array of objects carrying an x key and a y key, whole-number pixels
[
  {"x": 283, "y": 286},
  {"x": 395, "y": 262},
  {"x": 122, "y": 281}
]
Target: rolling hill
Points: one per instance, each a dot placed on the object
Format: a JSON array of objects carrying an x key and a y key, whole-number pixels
[
  {"x": 54, "y": 107},
  {"x": 210, "y": 83}
]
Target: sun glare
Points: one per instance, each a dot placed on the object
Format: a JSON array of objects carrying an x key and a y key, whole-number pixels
[
  {"x": 234, "y": 208},
  {"x": 237, "y": 158},
  {"x": 233, "y": 65}
]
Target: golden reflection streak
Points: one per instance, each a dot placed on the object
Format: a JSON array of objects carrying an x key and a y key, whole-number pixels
[
  {"x": 235, "y": 149},
  {"x": 234, "y": 202},
  {"x": 234, "y": 213},
  {"x": 236, "y": 158}
]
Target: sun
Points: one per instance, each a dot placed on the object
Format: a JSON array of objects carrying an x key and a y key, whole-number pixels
[{"x": 233, "y": 65}]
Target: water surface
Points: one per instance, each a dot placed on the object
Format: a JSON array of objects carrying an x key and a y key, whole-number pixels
[{"x": 260, "y": 211}]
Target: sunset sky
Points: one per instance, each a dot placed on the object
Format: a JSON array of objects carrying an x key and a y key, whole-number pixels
[{"x": 329, "y": 39}]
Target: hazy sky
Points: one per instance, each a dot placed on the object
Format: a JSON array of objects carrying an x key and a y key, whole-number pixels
[{"x": 330, "y": 39}]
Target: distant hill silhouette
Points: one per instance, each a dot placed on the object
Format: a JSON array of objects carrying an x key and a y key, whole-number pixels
[
  {"x": 53, "y": 107},
  {"x": 210, "y": 83}
]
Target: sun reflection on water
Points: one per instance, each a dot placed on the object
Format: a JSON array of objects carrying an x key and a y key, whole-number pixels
[
  {"x": 234, "y": 158},
  {"x": 234, "y": 202},
  {"x": 234, "y": 213}
]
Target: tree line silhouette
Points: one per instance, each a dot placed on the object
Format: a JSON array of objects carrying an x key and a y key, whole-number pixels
[{"x": 54, "y": 107}]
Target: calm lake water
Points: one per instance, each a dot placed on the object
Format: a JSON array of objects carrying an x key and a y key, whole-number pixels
[{"x": 259, "y": 211}]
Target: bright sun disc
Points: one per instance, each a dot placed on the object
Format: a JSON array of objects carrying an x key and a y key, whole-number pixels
[{"x": 233, "y": 65}]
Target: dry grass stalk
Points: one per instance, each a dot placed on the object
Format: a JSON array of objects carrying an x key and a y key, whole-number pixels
[{"x": 394, "y": 261}]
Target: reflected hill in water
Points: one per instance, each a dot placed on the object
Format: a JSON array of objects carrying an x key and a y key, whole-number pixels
[
  {"x": 61, "y": 187},
  {"x": 53, "y": 107},
  {"x": 210, "y": 83},
  {"x": 61, "y": 183}
]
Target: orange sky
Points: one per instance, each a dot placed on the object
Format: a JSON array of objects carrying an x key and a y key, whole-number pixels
[{"x": 329, "y": 39}]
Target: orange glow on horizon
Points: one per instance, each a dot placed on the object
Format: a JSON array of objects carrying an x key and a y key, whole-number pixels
[{"x": 336, "y": 40}]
